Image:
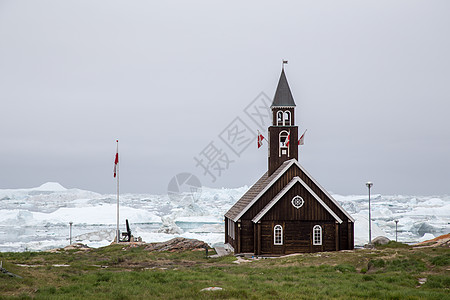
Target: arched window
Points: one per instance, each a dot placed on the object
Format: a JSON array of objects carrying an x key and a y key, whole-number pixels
[
  {"x": 278, "y": 235},
  {"x": 284, "y": 143},
  {"x": 279, "y": 118},
  {"x": 317, "y": 235},
  {"x": 287, "y": 118}
]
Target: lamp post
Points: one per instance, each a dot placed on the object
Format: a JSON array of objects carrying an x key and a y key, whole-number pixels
[
  {"x": 396, "y": 222},
  {"x": 369, "y": 185},
  {"x": 70, "y": 234}
]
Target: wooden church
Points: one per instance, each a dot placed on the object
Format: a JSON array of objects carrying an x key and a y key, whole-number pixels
[{"x": 286, "y": 210}]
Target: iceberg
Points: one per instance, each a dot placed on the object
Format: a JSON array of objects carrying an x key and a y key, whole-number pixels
[{"x": 38, "y": 218}]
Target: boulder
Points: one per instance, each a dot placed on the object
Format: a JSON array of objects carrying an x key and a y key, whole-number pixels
[{"x": 380, "y": 240}]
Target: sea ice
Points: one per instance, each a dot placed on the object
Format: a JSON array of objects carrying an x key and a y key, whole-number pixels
[{"x": 38, "y": 218}]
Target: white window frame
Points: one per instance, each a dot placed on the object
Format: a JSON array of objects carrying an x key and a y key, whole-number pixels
[
  {"x": 280, "y": 122},
  {"x": 295, "y": 205},
  {"x": 317, "y": 235},
  {"x": 230, "y": 224},
  {"x": 288, "y": 119},
  {"x": 279, "y": 143},
  {"x": 278, "y": 232}
]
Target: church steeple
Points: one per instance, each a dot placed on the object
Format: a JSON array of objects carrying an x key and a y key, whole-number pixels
[
  {"x": 283, "y": 133},
  {"x": 283, "y": 96}
]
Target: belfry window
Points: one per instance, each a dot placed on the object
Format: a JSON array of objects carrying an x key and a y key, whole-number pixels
[
  {"x": 279, "y": 118},
  {"x": 284, "y": 143},
  {"x": 278, "y": 235},
  {"x": 287, "y": 118},
  {"x": 317, "y": 235}
]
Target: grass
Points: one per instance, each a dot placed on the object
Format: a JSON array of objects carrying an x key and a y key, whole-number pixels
[{"x": 115, "y": 272}]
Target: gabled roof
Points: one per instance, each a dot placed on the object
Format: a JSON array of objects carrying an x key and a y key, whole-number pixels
[
  {"x": 264, "y": 183},
  {"x": 254, "y": 192},
  {"x": 283, "y": 96},
  {"x": 284, "y": 191}
]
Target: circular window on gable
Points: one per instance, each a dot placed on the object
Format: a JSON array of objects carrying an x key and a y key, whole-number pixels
[{"x": 297, "y": 202}]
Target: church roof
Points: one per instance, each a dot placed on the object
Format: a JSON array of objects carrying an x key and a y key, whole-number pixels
[
  {"x": 265, "y": 182},
  {"x": 284, "y": 191},
  {"x": 242, "y": 205},
  {"x": 283, "y": 96}
]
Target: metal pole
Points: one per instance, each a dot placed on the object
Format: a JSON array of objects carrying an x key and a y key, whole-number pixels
[
  {"x": 370, "y": 222},
  {"x": 117, "y": 231},
  {"x": 369, "y": 185},
  {"x": 396, "y": 222},
  {"x": 70, "y": 234}
]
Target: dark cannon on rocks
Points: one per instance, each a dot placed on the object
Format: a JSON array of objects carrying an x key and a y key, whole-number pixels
[{"x": 126, "y": 235}]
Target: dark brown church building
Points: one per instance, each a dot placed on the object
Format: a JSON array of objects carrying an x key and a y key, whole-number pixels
[{"x": 286, "y": 210}]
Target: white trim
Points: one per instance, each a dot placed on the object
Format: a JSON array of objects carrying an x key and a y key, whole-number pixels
[
  {"x": 291, "y": 162},
  {"x": 287, "y": 112},
  {"x": 278, "y": 226},
  {"x": 231, "y": 230},
  {"x": 296, "y": 179},
  {"x": 263, "y": 191},
  {"x": 319, "y": 243},
  {"x": 301, "y": 200},
  {"x": 325, "y": 192},
  {"x": 285, "y": 141},
  {"x": 282, "y": 118}
]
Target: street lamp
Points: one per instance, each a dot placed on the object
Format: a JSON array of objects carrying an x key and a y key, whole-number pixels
[
  {"x": 396, "y": 222},
  {"x": 369, "y": 185},
  {"x": 70, "y": 233}
]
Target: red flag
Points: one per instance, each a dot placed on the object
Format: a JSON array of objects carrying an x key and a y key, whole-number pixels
[
  {"x": 116, "y": 160},
  {"x": 288, "y": 139},
  {"x": 301, "y": 141},
  {"x": 260, "y": 139}
]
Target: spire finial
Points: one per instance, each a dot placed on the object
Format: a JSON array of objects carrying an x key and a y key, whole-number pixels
[{"x": 284, "y": 62}]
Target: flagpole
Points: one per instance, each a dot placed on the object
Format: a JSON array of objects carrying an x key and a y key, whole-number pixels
[{"x": 117, "y": 231}]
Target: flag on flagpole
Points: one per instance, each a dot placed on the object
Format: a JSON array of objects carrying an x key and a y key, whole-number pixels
[
  {"x": 116, "y": 160},
  {"x": 288, "y": 139},
  {"x": 260, "y": 139},
  {"x": 301, "y": 141}
]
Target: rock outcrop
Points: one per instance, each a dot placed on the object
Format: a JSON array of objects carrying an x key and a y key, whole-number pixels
[
  {"x": 176, "y": 244},
  {"x": 440, "y": 241}
]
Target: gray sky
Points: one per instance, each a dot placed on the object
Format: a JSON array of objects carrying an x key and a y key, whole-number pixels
[{"x": 371, "y": 80}]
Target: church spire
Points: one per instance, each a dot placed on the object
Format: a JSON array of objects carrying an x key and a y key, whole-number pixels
[
  {"x": 283, "y": 96},
  {"x": 283, "y": 134}
]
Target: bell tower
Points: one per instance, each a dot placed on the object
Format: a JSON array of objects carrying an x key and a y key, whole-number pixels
[{"x": 283, "y": 134}]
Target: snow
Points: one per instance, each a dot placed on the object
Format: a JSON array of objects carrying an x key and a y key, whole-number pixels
[
  {"x": 38, "y": 218},
  {"x": 362, "y": 228},
  {"x": 51, "y": 186},
  {"x": 426, "y": 237}
]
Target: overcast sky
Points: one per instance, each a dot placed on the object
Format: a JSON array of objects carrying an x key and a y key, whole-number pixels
[{"x": 371, "y": 80}]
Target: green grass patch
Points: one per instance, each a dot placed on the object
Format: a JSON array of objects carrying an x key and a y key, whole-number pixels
[
  {"x": 441, "y": 260},
  {"x": 401, "y": 265},
  {"x": 394, "y": 245},
  {"x": 117, "y": 272},
  {"x": 345, "y": 268},
  {"x": 438, "y": 282}
]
